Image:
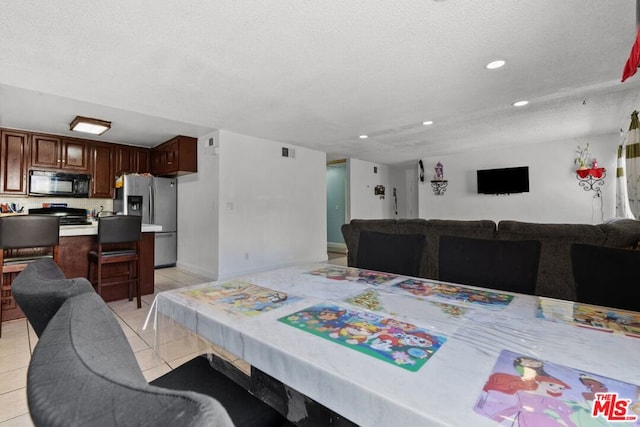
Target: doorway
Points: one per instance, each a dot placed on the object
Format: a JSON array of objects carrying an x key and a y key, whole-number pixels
[{"x": 336, "y": 205}]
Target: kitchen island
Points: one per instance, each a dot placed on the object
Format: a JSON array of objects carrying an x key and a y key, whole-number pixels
[{"x": 75, "y": 243}]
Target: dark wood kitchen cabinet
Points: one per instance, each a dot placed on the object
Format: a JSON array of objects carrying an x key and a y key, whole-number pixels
[
  {"x": 178, "y": 156},
  {"x": 131, "y": 159},
  {"x": 102, "y": 170},
  {"x": 142, "y": 160},
  {"x": 51, "y": 152},
  {"x": 75, "y": 155},
  {"x": 124, "y": 159},
  {"x": 14, "y": 155}
]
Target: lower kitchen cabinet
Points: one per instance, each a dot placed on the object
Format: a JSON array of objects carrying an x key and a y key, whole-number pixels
[{"x": 74, "y": 262}]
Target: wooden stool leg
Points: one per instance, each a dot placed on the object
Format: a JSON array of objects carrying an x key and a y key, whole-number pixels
[
  {"x": 1, "y": 301},
  {"x": 138, "y": 291},
  {"x": 99, "y": 267},
  {"x": 1, "y": 287},
  {"x": 130, "y": 280}
]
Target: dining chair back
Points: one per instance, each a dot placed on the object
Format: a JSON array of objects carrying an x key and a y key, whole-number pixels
[
  {"x": 390, "y": 253},
  {"x": 41, "y": 289},
  {"x": 507, "y": 265},
  {"x": 23, "y": 240},
  {"x": 606, "y": 276},
  {"x": 118, "y": 242}
]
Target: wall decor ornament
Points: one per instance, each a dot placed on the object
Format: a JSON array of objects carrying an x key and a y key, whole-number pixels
[
  {"x": 582, "y": 156},
  {"x": 590, "y": 176},
  {"x": 438, "y": 183}
]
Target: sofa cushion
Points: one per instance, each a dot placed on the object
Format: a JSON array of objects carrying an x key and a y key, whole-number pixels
[
  {"x": 555, "y": 276},
  {"x": 40, "y": 290},
  {"x": 83, "y": 372}
]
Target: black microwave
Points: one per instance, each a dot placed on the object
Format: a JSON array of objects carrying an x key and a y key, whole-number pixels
[{"x": 58, "y": 184}]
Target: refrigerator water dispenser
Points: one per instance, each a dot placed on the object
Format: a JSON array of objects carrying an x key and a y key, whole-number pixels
[{"x": 134, "y": 205}]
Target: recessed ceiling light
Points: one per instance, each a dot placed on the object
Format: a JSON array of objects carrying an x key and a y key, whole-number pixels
[
  {"x": 520, "y": 103},
  {"x": 495, "y": 64},
  {"x": 363, "y": 136},
  {"x": 428, "y": 123}
]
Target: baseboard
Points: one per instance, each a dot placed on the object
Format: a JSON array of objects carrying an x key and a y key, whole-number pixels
[
  {"x": 238, "y": 273},
  {"x": 340, "y": 248},
  {"x": 213, "y": 275}
]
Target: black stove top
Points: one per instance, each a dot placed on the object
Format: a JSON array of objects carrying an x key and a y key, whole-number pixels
[{"x": 68, "y": 216}]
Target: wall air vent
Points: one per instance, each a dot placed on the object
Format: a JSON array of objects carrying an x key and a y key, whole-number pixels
[{"x": 288, "y": 152}]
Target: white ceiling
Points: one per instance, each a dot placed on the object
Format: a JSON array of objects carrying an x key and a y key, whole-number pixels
[{"x": 320, "y": 73}]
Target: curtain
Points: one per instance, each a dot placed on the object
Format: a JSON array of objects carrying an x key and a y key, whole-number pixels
[{"x": 628, "y": 172}]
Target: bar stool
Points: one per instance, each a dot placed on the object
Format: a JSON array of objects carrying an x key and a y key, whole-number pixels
[
  {"x": 118, "y": 243},
  {"x": 25, "y": 239}
]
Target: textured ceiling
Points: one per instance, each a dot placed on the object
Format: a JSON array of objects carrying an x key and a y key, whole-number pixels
[{"x": 320, "y": 73}]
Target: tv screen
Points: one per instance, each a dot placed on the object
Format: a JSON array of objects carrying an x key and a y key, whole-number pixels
[{"x": 503, "y": 181}]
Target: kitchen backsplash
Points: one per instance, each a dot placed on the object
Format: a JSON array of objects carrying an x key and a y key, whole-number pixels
[{"x": 36, "y": 202}]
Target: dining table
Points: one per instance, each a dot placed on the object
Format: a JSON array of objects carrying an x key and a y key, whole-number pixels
[{"x": 382, "y": 349}]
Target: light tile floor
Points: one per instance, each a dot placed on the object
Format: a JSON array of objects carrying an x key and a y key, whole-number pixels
[{"x": 18, "y": 340}]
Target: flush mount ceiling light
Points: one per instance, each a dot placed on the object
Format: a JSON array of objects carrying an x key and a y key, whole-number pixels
[
  {"x": 89, "y": 125},
  {"x": 428, "y": 123},
  {"x": 520, "y": 103},
  {"x": 495, "y": 64},
  {"x": 363, "y": 136}
]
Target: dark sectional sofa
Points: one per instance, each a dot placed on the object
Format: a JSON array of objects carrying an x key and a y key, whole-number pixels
[{"x": 555, "y": 274}]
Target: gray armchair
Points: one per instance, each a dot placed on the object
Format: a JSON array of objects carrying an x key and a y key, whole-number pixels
[{"x": 83, "y": 372}]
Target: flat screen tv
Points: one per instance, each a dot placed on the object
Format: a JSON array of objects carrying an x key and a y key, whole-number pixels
[{"x": 503, "y": 181}]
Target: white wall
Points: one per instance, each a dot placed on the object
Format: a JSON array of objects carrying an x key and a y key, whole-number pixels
[
  {"x": 272, "y": 209},
  {"x": 411, "y": 189},
  {"x": 198, "y": 212},
  {"x": 554, "y": 196},
  {"x": 364, "y": 204},
  {"x": 249, "y": 209}
]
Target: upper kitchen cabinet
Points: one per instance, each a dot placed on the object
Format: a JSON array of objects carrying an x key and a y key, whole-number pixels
[
  {"x": 131, "y": 159},
  {"x": 102, "y": 170},
  {"x": 142, "y": 158},
  {"x": 124, "y": 159},
  {"x": 14, "y": 155},
  {"x": 51, "y": 152},
  {"x": 178, "y": 156}
]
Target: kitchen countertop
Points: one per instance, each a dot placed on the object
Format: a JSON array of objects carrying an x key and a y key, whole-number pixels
[{"x": 92, "y": 229}]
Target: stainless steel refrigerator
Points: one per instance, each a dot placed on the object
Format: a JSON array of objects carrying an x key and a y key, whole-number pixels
[{"x": 156, "y": 200}]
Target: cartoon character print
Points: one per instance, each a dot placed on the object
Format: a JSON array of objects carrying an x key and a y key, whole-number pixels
[
  {"x": 394, "y": 325},
  {"x": 329, "y": 319},
  {"x": 416, "y": 288},
  {"x": 594, "y": 386},
  {"x": 384, "y": 342},
  {"x": 264, "y": 300},
  {"x": 416, "y": 339},
  {"x": 534, "y": 408},
  {"x": 357, "y": 332},
  {"x": 529, "y": 368}
]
